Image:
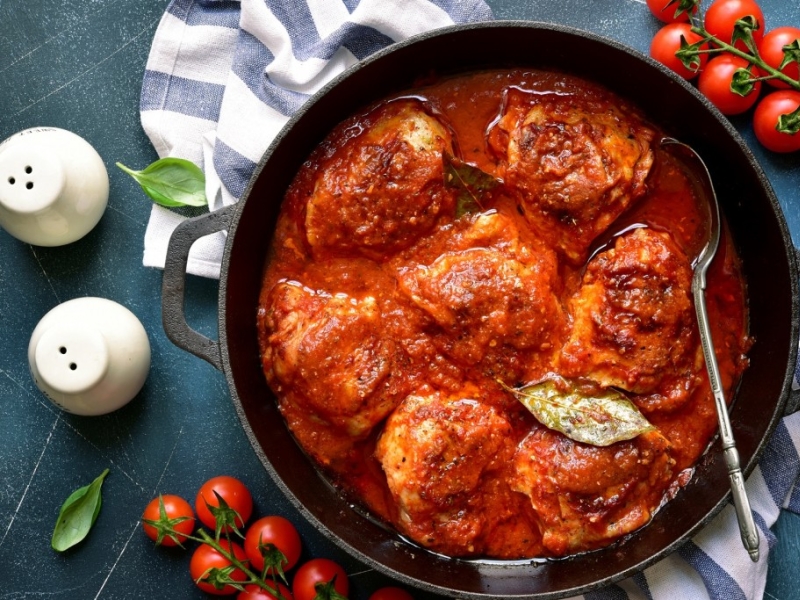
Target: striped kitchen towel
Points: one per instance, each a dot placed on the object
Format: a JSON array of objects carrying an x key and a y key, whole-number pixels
[{"x": 221, "y": 69}]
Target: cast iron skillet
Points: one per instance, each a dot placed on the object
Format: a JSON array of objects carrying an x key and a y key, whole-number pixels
[{"x": 748, "y": 203}]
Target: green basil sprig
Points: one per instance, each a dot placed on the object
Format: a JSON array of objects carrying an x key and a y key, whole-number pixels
[
  {"x": 172, "y": 182},
  {"x": 77, "y": 515}
]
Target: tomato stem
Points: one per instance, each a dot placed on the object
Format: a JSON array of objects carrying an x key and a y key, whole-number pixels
[{"x": 753, "y": 57}]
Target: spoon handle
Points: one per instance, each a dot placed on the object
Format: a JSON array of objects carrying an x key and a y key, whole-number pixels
[{"x": 747, "y": 526}]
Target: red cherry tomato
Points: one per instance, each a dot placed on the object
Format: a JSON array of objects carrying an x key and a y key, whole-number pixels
[
  {"x": 391, "y": 593},
  {"x": 667, "y": 41},
  {"x": 665, "y": 10},
  {"x": 318, "y": 570},
  {"x": 235, "y": 494},
  {"x": 177, "y": 511},
  {"x": 254, "y": 592},
  {"x": 715, "y": 84},
  {"x": 722, "y": 15},
  {"x": 273, "y": 530},
  {"x": 206, "y": 558},
  {"x": 771, "y": 50},
  {"x": 765, "y": 119}
]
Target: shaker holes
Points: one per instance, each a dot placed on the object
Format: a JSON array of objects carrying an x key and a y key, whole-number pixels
[
  {"x": 12, "y": 181},
  {"x": 29, "y": 170},
  {"x": 72, "y": 366},
  {"x": 63, "y": 350}
]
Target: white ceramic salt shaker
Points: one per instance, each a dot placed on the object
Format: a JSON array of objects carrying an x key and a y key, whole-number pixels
[
  {"x": 89, "y": 355},
  {"x": 53, "y": 186}
]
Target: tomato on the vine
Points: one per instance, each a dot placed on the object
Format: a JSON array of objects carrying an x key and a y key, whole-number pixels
[
  {"x": 765, "y": 121},
  {"x": 715, "y": 84},
  {"x": 672, "y": 11},
  {"x": 722, "y": 15},
  {"x": 209, "y": 564},
  {"x": 235, "y": 495},
  {"x": 667, "y": 41},
  {"x": 280, "y": 533},
  {"x": 391, "y": 593},
  {"x": 255, "y": 592},
  {"x": 331, "y": 577},
  {"x": 172, "y": 511},
  {"x": 771, "y": 50}
]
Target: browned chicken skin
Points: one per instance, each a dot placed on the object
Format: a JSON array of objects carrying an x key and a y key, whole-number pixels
[
  {"x": 488, "y": 297},
  {"x": 384, "y": 187},
  {"x": 439, "y": 454},
  {"x": 330, "y": 350},
  {"x": 585, "y": 495},
  {"x": 633, "y": 323},
  {"x": 576, "y": 164}
]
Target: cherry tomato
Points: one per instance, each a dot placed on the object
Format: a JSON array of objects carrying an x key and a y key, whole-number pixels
[
  {"x": 715, "y": 83},
  {"x": 771, "y": 50},
  {"x": 391, "y": 593},
  {"x": 667, "y": 41},
  {"x": 318, "y": 570},
  {"x": 254, "y": 592},
  {"x": 178, "y": 514},
  {"x": 233, "y": 492},
  {"x": 765, "y": 118},
  {"x": 277, "y": 531},
  {"x": 722, "y": 15},
  {"x": 206, "y": 558},
  {"x": 665, "y": 10}
]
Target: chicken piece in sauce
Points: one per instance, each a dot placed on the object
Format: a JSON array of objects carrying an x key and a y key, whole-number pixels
[
  {"x": 575, "y": 161},
  {"x": 633, "y": 322},
  {"x": 442, "y": 456},
  {"x": 383, "y": 188},
  {"x": 492, "y": 299},
  {"x": 331, "y": 351},
  {"x": 588, "y": 495}
]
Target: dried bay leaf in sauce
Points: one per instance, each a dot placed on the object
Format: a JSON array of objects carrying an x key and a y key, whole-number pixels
[
  {"x": 471, "y": 184},
  {"x": 599, "y": 417}
]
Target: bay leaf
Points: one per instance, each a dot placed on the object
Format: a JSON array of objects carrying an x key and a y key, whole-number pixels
[
  {"x": 600, "y": 418},
  {"x": 470, "y": 182}
]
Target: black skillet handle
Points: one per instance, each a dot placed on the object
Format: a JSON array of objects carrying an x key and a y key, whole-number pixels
[
  {"x": 793, "y": 403},
  {"x": 173, "y": 284}
]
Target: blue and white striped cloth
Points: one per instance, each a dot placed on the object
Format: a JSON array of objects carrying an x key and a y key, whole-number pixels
[{"x": 224, "y": 76}]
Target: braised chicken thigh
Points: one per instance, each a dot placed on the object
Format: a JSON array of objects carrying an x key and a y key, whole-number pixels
[
  {"x": 384, "y": 186},
  {"x": 331, "y": 351},
  {"x": 633, "y": 321},
  {"x": 576, "y": 163},
  {"x": 586, "y": 495}
]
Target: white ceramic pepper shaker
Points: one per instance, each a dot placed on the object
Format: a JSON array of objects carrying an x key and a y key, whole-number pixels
[
  {"x": 53, "y": 186},
  {"x": 89, "y": 355}
]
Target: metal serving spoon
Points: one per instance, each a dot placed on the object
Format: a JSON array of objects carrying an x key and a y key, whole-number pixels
[{"x": 689, "y": 158}]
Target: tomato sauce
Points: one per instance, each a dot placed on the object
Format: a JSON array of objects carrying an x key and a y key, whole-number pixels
[{"x": 388, "y": 342}]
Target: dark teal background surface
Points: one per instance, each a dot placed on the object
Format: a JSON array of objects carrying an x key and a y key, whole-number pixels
[{"x": 78, "y": 65}]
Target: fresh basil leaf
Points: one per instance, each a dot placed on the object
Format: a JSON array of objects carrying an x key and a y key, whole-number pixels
[
  {"x": 471, "y": 184},
  {"x": 77, "y": 515},
  {"x": 600, "y": 418},
  {"x": 171, "y": 182}
]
